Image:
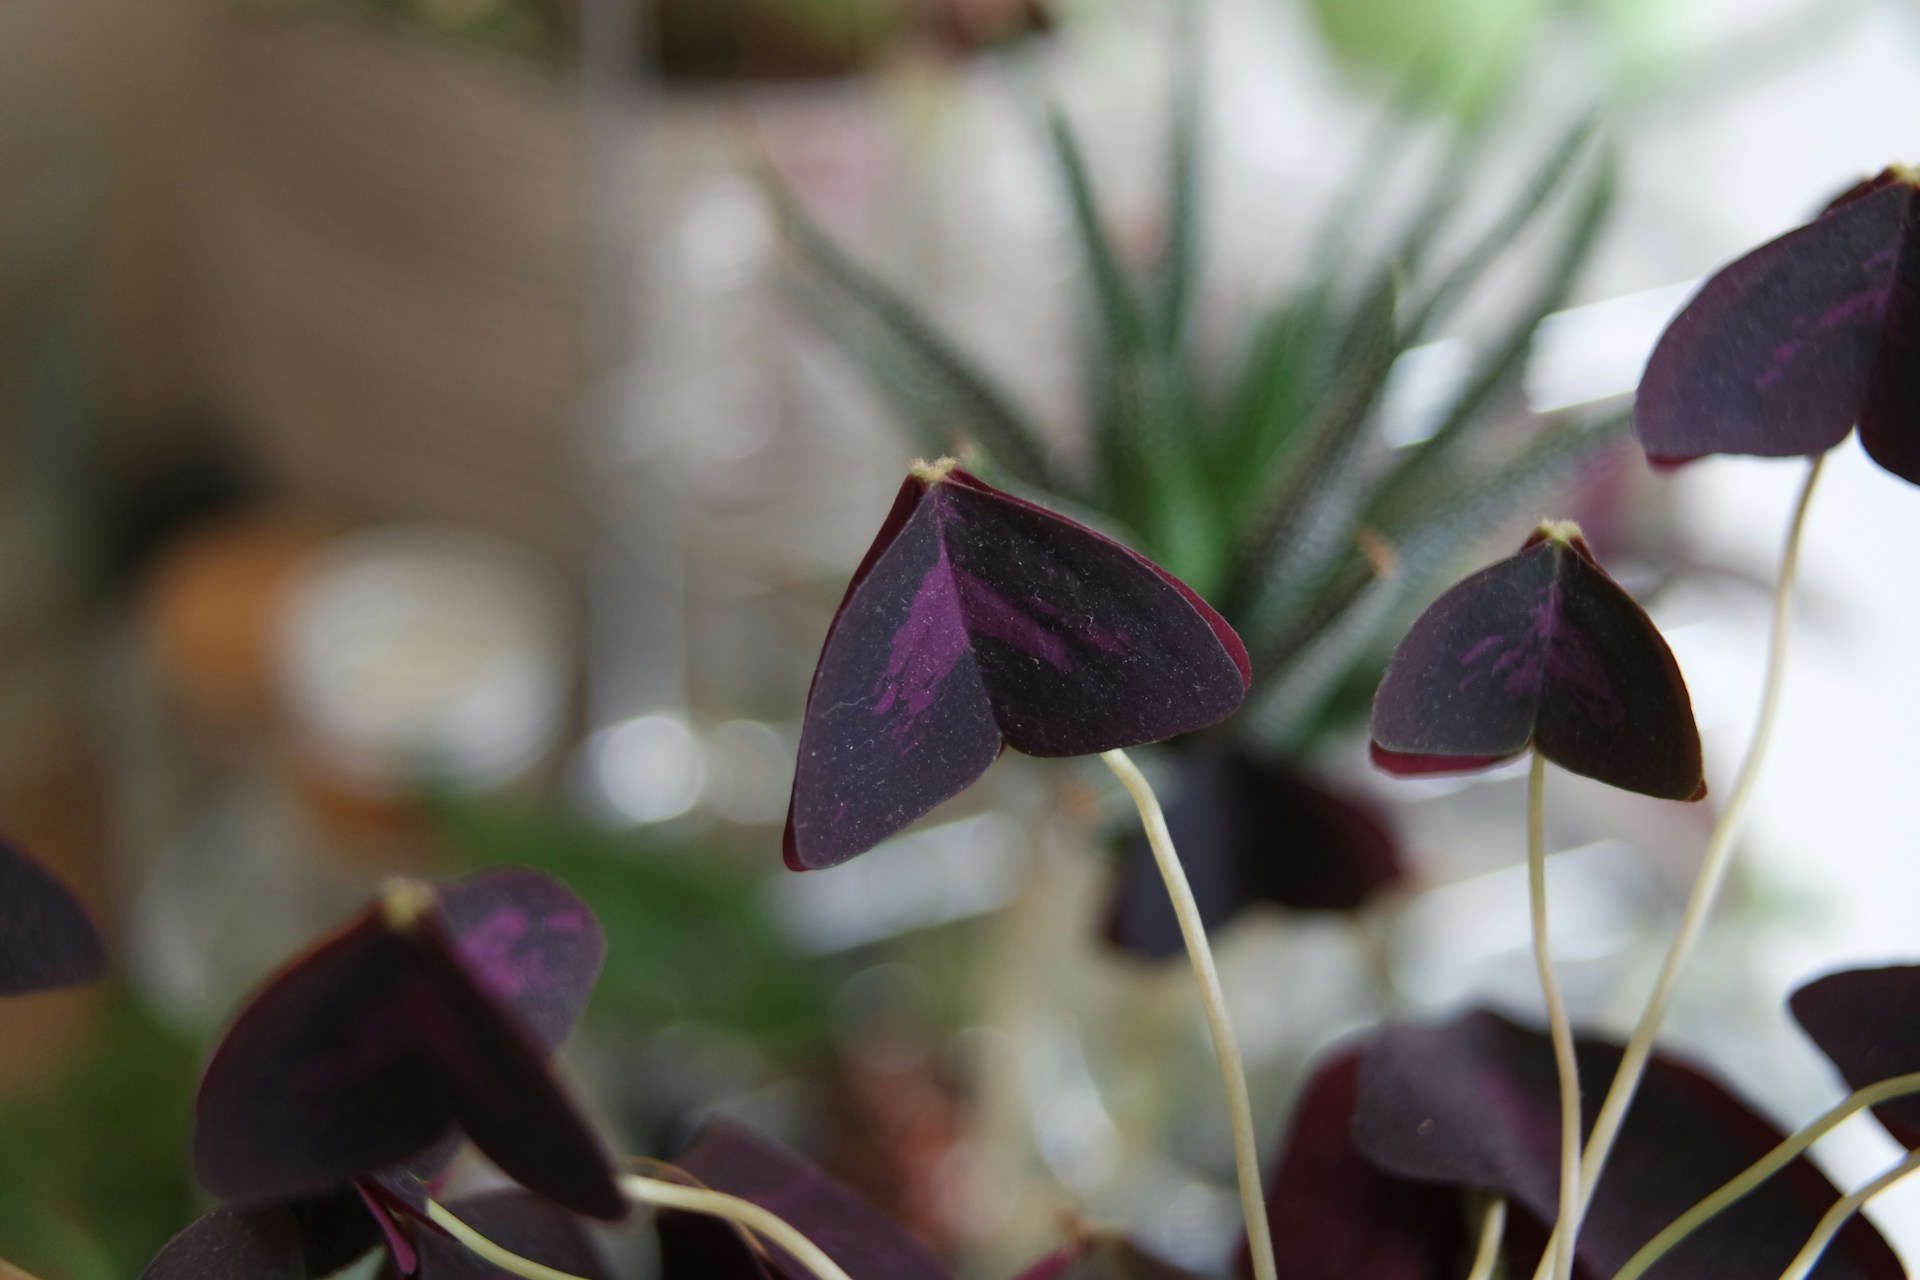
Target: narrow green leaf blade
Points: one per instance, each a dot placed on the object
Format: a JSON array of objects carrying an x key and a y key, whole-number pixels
[{"x": 926, "y": 357}]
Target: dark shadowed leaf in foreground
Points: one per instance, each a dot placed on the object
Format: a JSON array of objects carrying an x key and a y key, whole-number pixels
[
  {"x": 1340, "y": 1217},
  {"x": 727, "y": 1157},
  {"x": 1867, "y": 1021},
  {"x": 1103, "y": 1257},
  {"x": 1475, "y": 1103},
  {"x": 1248, "y": 834},
  {"x": 233, "y": 1244},
  {"x": 46, "y": 937},
  {"x": 978, "y": 620},
  {"x": 1544, "y": 650},
  {"x": 1782, "y": 352},
  {"x": 516, "y": 1221},
  {"x": 376, "y": 1042}
]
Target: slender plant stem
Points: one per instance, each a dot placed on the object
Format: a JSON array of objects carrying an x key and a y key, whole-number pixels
[
  {"x": 1493, "y": 1223},
  {"x": 1706, "y": 886},
  {"x": 1557, "y": 1261},
  {"x": 1836, "y": 1217},
  {"x": 1765, "y": 1167},
  {"x": 1233, "y": 1073},
  {"x": 479, "y": 1245},
  {"x": 743, "y": 1213}
]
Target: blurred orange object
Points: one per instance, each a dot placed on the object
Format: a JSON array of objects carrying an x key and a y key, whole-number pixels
[{"x": 209, "y": 610}]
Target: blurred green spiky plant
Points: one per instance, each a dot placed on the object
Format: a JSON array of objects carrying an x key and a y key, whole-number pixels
[{"x": 1268, "y": 485}]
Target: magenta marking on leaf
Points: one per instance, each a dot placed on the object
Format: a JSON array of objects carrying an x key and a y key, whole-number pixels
[
  {"x": 1862, "y": 305},
  {"x": 993, "y": 615},
  {"x": 1083, "y": 627},
  {"x": 572, "y": 920},
  {"x": 925, "y": 648},
  {"x": 1553, "y": 645},
  {"x": 488, "y": 948}
]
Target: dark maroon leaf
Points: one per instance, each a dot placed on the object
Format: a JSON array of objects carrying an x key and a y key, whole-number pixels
[
  {"x": 1783, "y": 351},
  {"x": 1248, "y": 834},
  {"x": 335, "y": 1228},
  {"x": 977, "y": 620},
  {"x": 369, "y": 1048},
  {"x": 516, "y": 1221},
  {"x": 1867, "y": 1021},
  {"x": 532, "y": 944},
  {"x": 1544, "y": 650},
  {"x": 729, "y": 1158},
  {"x": 1103, "y": 1257},
  {"x": 1475, "y": 1103},
  {"x": 1334, "y": 1216},
  {"x": 233, "y": 1244},
  {"x": 46, "y": 938}
]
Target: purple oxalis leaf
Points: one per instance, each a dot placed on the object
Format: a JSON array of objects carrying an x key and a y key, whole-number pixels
[
  {"x": 517, "y": 1221},
  {"x": 1786, "y": 349},
  {"x": 1337, "y": 1217},
  {"x": 978, "y": 620},
  {"x": 1475, "y": 1103},
  {"x": 1867, "y": 1022},
  {"x": 729, "y": 1158},
  {"x": 1251, "y": 833},
  {"x": 1103, "y": 1257},
  {"x": 530, "y": 943},
  {"x": 369, "y": 1048},
  {"x": 234, "y": 1244},
  {"x": 1544, "y": 650},
  {"x": 46, "y": 937}
]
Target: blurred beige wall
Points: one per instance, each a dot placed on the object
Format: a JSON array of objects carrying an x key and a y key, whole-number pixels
[{"x": 124, "y": 80}]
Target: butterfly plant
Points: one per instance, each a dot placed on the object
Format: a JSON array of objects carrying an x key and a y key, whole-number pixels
[
  {"x": 1263, "y": 479},
  {"x": 975, "y": 621},
  {"x": 1542, "y": 651}
]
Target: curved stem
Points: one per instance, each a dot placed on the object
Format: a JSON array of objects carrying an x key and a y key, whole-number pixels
[
  {"x": 1556, "y": 1261},
  {"x": 743, "y": 1213},
  {"x": 480, "y": 1246},
  {"x": 1233, "y": 1073},
  {"x": 1713, "y": 869},
  {"x": 1493, "y": 1222},
  {"x": 1765, "y": 1167},
  {"x": 1836, "y": 1217}
]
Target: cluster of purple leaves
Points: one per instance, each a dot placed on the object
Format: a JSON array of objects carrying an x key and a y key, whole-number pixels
[
  {"x": 339, "y": 1095},
  {"x": 978, "y": 621},
  {"x": 1390, "y": 1135}
]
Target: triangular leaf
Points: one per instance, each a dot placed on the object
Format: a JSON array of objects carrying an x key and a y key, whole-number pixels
[
  {"x": 978, "y": 619},
  {"x": 367, "y": 1049},
  {"x": 1784, "y": 350},
  {"x": 1541, "y": 650},
  {"x": 1475, "y": 1103}
]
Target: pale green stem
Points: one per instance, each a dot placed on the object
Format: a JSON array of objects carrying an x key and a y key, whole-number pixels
[
  {"x": 1836, "y": 1217},
  {"x": 1765, "y": 1167},
  {"x": 1233, "y": 1073},
  {"x": 1706, "y": 886},
  {"x": 742, "y": 1213},
  {"x": 1556, "y": 1261},
  {"x": 479, "y": 1245},
  {"x": 1493, "y": 1222}
]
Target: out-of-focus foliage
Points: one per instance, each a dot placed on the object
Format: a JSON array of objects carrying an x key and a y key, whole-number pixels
[
  {"x": 93, "y": 1168},
  {"x": 1262, "y": 479}
]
